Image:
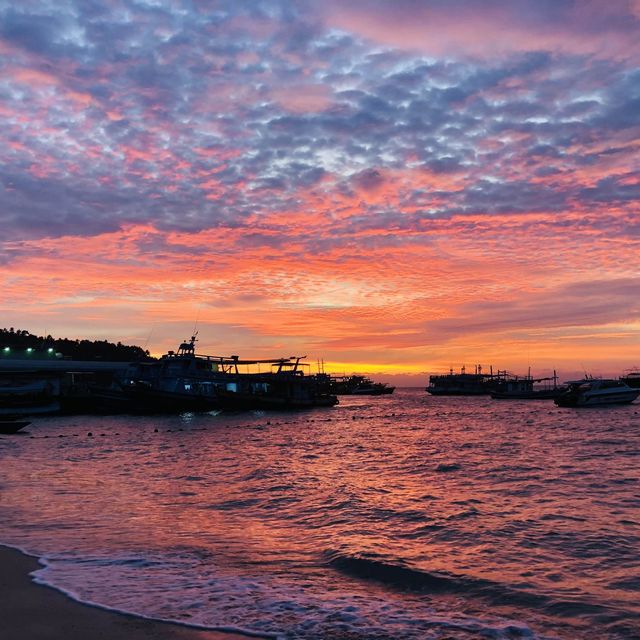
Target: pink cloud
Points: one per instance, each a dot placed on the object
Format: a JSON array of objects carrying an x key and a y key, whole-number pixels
[
  {"x": 302, "y": 98},
  {"x": 465, "y": 27}
]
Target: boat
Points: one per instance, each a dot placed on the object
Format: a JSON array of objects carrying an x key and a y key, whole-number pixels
[
  {"x": 528, "y": 388},
  {"x": 466, "y": 384},
  {"x": 357, "y": 385},
  {"x": 592, "y": 392},
  {"x": 25, "y": 394},
  {"x": 186, "y": 381},
  {"x": 285, "y": 386},
  {"x": 631, "y": 377},
  {"x": 9, "y": 426}
]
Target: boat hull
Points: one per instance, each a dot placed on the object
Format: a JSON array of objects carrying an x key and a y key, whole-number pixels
[
  {"x": 434, "y": 391},
  {"x": 237, "y": 401},
  {"x": 143, "y": 400},
  {"x": 526, "y": 395},
  {"x": 8, "y": 427},
  {"x": 29, "y": 396},
  {"x": 598, "y": 400},
  {"x": 372, "y": 392}
]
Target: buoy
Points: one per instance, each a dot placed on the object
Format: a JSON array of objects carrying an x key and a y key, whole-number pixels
[{"x": 90, "y": 434}]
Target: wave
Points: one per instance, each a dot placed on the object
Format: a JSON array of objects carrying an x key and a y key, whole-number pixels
[
  {"x": 400, "y": 576},
  {"x": 41, "y": 577}
]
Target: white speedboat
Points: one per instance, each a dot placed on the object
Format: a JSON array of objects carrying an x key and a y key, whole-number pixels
[{"x": 592, "y": 392}]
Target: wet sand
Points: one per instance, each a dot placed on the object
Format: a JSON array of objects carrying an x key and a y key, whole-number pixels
[{"x": 29, "y": 611}]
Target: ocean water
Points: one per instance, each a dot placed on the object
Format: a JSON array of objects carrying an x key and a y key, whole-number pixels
[{"x": 404, "y": 516}]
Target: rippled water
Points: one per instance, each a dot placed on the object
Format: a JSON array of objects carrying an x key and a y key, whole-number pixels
[{"x": 404, "y": 516}]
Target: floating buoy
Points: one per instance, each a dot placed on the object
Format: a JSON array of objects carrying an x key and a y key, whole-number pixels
[{"x": 90, "y": 434}]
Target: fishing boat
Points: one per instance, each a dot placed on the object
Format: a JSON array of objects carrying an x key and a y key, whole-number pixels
[
  {"x": 528, "y": 388},
  {"x": 466, "y": 384},
  {"x": 357, "y": 385},
  {"x": 284, "y": 386},
  {"x": 186, "y": 381},
  {"x": 592, "y": 392}
]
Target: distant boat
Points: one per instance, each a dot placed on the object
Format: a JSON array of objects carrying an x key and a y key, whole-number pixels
[
  {"x": 592, "y": 392},
  {"x": 466, "y": 384},
  {"x": 357, "y": 385},
  {"x": 524, "y": 388},
  {"x": 12, "y": 426},
  {"x": 631, "y": 377}
]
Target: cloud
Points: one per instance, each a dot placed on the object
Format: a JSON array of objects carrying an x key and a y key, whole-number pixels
[
  {"x": 252, "y": 152},
  {"x": 462, "y": 27},
  {"x": 592, "y": 303},
  {"x": 138, "y": 122}
]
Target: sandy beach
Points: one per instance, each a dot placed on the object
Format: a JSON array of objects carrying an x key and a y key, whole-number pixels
[{"x": 29, "y": 611}]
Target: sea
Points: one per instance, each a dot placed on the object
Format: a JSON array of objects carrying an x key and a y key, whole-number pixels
[{"x": 404, "y": 516}]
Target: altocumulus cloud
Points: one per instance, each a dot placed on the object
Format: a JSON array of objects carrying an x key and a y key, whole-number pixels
[{"x": 255, "y": 115}]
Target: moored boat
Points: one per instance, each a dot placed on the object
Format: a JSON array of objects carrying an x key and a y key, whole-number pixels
[
  {"x": 466, "y": 384},
  {"x": 358, "y": 385},
  {"x": 592, "y": 392},
  {"x": 9, "y": 426},
  {"x": 185, "y": 381},
  {"x": 631, "y": 377},
  {"x": 528, "y": 388},
  {"x": 25, "y": 394}
]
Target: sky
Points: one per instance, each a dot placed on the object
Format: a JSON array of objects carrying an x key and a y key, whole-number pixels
[{"x": 396, "y": 188}]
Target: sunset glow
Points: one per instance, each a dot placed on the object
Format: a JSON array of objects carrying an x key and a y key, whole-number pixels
[{"x": 390, "y": 188}]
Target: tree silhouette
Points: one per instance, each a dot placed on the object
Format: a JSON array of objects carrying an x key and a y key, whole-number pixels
[{"x": 77, "y": 349}]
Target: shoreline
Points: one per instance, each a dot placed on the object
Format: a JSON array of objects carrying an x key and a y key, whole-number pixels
[{"x": 32, "y": 611}]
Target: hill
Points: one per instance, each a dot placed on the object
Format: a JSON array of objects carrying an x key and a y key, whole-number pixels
[{"x": 19, "y": 340}]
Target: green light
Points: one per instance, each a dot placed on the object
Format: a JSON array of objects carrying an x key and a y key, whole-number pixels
[
  {"x": 29, "y": 349},
  {"x": 7, "y": 349},
  {"x": 49, "y": 350}
]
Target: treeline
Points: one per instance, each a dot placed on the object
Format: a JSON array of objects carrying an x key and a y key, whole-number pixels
[{"x": 21, "y": 340}]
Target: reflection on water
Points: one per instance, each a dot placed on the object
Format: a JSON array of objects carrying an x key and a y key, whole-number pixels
[{"x": 398, "y": 516}]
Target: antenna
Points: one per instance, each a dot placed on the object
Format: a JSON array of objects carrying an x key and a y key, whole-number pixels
[
  {"x": 195, "y": 324},
  {"x": 148, "y": 337}
]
